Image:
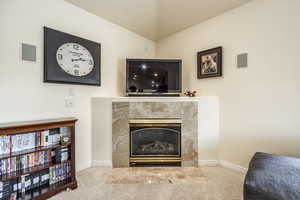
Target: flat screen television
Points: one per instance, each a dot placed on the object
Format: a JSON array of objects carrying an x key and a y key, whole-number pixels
[{"x": 153, "y": 77}]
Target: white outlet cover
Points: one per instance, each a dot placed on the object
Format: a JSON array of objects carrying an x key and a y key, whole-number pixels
[{"x": 69, "y": 103}]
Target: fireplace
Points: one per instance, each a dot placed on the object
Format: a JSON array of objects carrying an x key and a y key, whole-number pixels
[{"x": 155, "y": 142}]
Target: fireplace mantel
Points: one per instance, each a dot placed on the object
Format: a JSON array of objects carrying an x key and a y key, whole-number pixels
[{"x": 110, "y": 126}]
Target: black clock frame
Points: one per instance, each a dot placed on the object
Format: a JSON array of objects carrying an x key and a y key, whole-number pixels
[{"x": 53, "y": 73}]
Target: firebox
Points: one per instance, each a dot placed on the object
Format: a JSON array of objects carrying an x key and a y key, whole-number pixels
[{"x": 155, "y": 142}]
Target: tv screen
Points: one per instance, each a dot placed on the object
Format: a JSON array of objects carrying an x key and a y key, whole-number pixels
[{"x": 153, "y": 76}]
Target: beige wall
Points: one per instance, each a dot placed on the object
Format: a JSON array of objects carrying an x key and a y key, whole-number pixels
[
  {"x": 24, "y": 96},
  {"x": 259, "y": 105}
]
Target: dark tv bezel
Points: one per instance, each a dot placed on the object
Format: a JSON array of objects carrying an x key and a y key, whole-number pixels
[{"x": 154, "y": 92}]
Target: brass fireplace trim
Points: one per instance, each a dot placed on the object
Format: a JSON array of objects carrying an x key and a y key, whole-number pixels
[
  {"x": 157, "y": 158},
  {"x": 154, "y": 125},
  {"x": 155, "y": 121},
  {"x": 151, "y": 160},
  {"x": 160, "y": 155}
]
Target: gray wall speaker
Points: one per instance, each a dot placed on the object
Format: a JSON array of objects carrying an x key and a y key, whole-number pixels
[
  {"x": 28, "y": 52},
  {"x": 242, "y": 60}
]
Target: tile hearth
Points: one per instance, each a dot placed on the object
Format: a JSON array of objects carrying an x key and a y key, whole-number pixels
[
  {"x": 154, "y": 175},
  {"x": 205, "y": 183}
]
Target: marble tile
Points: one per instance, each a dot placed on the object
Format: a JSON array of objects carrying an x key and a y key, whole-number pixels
[
  {"x": 154, "y": 110},
  {"x": 120, "y": 159},
  {"x": 120, "y": 110},
  {"x": 120, "y": 118},
  {"x": 189, "y": 151},
  {"x": 139, "y": 110},
  {"x": 189, "y": 128},
  {"x": 120, "y": 127},
  {"x": 153, "y": 175},
  {"x": 206, "y": 183},
  {"x": 120, "y": 144},
  {"x": 120, "y": 135},
  {"x": 189, "y": 110}
]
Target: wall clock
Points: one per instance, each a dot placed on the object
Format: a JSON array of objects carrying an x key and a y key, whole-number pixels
[{"x": 71, "y": 59}]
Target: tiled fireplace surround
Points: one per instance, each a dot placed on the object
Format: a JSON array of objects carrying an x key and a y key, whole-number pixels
[{"x": 122, "y": 112}]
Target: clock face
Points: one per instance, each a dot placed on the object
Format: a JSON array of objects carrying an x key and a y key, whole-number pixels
[{"x": 75, "y": 59}]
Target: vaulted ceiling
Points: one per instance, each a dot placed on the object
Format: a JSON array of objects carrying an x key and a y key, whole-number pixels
[{"x": 156, "y": 19}]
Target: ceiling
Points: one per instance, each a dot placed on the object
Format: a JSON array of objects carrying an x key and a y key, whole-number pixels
[{"x": 156, "y": 19}]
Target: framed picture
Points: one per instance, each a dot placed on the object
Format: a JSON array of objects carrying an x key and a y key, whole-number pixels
[
  {"x": 209, "y": 63},
  {"x": 71, "y": 59}
]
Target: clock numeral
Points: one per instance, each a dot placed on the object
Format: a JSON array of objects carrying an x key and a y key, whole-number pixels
[
  {"x": 90, "y": 62},
  {"x": 59, "y": 56},
  {"x": 76, "y": 72},
  {"x": 76, "y": 46},
  {"x": 76, "y": 66}
]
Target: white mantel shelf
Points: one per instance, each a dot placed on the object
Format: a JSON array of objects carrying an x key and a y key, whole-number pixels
[{"x": 155, "y": 99}]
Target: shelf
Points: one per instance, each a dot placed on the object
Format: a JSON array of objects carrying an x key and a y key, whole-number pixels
[
  {"x": 33, "y": 150},
  {"x": 13, "y": 175},
  {"x": 37, "y": 125},
  {"x": 47, "y": 190}
]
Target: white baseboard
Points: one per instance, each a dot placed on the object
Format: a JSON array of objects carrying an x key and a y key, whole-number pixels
[
  {"x": 233, "y": 166},
  {"x": 83, "y": 166},
  {"x": 101, "y": 163},
  {"x": 212, "y": 163}
]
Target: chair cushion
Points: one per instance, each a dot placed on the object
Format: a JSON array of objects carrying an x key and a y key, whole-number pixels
[{"x": 272, "y": 177}]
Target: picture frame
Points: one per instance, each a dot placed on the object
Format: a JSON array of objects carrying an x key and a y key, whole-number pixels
[
  {"x": 69, "y": 59},
  {"x": 209, "y": 63}
]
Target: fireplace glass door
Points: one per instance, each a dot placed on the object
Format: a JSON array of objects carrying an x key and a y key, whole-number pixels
[{"x": 155, "y": 140}]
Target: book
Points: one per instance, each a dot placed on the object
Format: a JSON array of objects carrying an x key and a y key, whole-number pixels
[
  {"x": 4, "y": 144},
  {"x": 59, "y": 173},
  {"x": 45, "y": 138},
  {"x": 62, "y": 154},
  {"x": 44, "y": 177},
  {"x": 54, "y": 136}
]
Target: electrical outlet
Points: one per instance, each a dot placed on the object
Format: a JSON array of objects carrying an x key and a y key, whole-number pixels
[{"x": 69, "y": 103}]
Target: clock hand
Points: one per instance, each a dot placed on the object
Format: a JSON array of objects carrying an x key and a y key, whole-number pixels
[{"x": 79, "y": 59}]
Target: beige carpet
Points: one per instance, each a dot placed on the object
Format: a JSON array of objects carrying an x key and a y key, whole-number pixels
[{"x": 206, "y": 183}]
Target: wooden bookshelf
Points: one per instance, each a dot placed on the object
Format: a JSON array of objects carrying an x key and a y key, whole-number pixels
[{"x": 44, "y": 191}]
